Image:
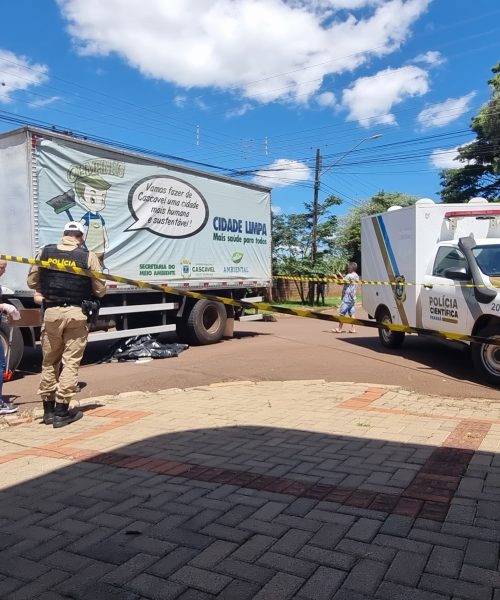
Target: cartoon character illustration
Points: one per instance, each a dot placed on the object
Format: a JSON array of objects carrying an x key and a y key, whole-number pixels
[{"x": 91, "y": 191}]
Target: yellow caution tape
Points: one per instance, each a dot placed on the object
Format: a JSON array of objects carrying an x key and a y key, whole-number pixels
[
  {"x": 397, "y": 283},
  {"x": 265, "y": 306}
]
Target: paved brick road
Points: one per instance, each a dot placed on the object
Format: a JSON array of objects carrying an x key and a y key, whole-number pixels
[{"x": 270, "y": 490}]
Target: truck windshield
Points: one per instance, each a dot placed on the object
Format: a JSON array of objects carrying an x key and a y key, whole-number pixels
[{"x": 488, "y": 259}]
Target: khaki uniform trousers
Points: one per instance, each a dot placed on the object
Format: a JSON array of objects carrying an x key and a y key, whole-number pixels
[{"x": 64, "y": 338}]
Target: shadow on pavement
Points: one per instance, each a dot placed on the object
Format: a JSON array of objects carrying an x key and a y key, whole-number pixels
[
  {"x": 98, "y": 351},
  {"x": 452, "y": 359},
  {"x": 234, "y": 512}
]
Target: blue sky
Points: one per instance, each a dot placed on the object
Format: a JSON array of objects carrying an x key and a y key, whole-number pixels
[{"x": 255, "y": 86}]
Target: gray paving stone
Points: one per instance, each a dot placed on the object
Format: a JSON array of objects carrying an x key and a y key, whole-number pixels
[
  {"x": 327, "y": 558},
  {"x": 482, "y": 554},
  {"x": 406, "y": 568},
  {"x": 447, "y": 585},
  {"x": 41, "y": 551},
  {"x": 269, "y": 511},
  {"x": 300, "y": 507},
  {"x": 323, "y": 584},
  {"x": 288, "y": 564},
  {"x": 328, "y": 536},
  {"x": 9, "y": 584},
  {"x": 245, "y": 571},
  {"x": 154, "y": 588},
  {"x": 149, "y": 545},
  {"x": 184, "y": 537},
  {"x": 109, "y": 552},
  {"x": 445, "y": 561},
  {"x": 212, "y": 555},
  {"x": 236, "y": 515},
  {"x": 487, "y": 577},
  {"x": 15, "y": 566},
  {"x": 37, "y": 587},
  {"x": 103, "y": 591},
  {"x": 397, "y": 525},
  {"x": 230, "y": 534},
  {"x": 399, "y": 543},
  {"x": 263, "y": 527},
  {"x": 200, "y": 579},
  {"x": 469, "y": 531},
  {"x": 344, "y": 594},
  {"x": 281, "y": 587},
  {"x": 254, "y": 547},
  {"x": 205, "y": 517},
  {"x": 394, "y": 591},
  {"x": 172, "y": 562},
  {"x": 67, "y": 561},
  {"x": 326, "y": 516},
  {"x": 364, "y": 530},
  {"x": 195, "y": 595},
  {"x": 129, "y": 569},
  {"x": 441, "y": 539},
  {"x": 292, "y": 542},
  {"x": 299, "y": 522},
  {"x": 74, "y": 585},
  {"x": 365, "y": 576},
  {"x": 360, "y": 549},
  {"x": 239, "y": 590}
]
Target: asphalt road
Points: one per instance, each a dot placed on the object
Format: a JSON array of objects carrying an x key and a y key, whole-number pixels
[{"x": 290, "y": 348}]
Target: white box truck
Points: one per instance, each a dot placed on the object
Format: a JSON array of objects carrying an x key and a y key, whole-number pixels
[
  {"x": 442, "y": 248},
  {"x": 146, "y": 219}
]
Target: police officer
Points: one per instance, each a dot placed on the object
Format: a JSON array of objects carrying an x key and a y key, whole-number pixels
[{"x": 64, "y": 330}]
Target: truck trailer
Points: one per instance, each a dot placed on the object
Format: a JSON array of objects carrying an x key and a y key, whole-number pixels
[
  {"x": 146, "y": 219},
  {"x": 443, "y": 265}
]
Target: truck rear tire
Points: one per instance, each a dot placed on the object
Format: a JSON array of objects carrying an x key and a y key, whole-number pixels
[
  {"x": 388, "y": 339},
  {"x": 486, "y": 357},
  {"x": 205, "y": 324},
  {"x": 17, "y": 348}
]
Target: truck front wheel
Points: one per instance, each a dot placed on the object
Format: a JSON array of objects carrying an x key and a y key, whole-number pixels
[
  {"x": 205, "y": 323},
  {"x": 17, "y": 346},
  {"x": 486, "y": 357},
  {"x": 388, "y": 339}
]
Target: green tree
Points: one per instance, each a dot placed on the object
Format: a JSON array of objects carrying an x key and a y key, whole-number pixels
[
  {"x": 292, "y": 243},
  {"x": 348, "y": 237},
  {"x": 480, "y": 175}
]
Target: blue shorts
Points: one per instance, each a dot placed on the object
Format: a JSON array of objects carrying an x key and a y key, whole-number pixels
[{"x": 347, "y": 308}]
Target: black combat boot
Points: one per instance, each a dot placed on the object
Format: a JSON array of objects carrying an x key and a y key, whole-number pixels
[
  {"x": 63, "y": 416},
  {"x": 48, "y": 411}
]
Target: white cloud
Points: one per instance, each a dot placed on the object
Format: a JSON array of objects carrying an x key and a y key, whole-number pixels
[
  {"x": 326, "y": 99},
  {"x": 180, "y": 101},
  {"x": 444, "y": 158},
  {"x": 201, "y": 104},
  {"x": 265, "y": 50},
  {"x": 239, "y": 111},
  {"x": 283, "y": 172},
  {"x": 276, "y": 210},
  {"x": 369, "y": 100},
  {"x": 44, "y": 102},
  {"x": 437, "y": 115},
  {"x": 432, "y": 57},
  {"x": 18, "y": 73}
]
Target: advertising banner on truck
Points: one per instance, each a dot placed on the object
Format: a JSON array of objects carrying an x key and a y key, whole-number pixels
[{"x": 152, "y": 222}]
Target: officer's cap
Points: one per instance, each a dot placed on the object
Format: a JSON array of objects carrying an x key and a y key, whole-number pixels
[{"x": 74, "y": 226}]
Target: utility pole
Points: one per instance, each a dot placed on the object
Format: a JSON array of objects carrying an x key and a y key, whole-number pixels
[{"x": 314, "y": 241}]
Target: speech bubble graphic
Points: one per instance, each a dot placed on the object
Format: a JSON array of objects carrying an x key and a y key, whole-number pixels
[{"x": 167, "y": 206}]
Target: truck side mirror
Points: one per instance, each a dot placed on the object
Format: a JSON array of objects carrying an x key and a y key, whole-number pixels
[{"x": 457, "y": 273}]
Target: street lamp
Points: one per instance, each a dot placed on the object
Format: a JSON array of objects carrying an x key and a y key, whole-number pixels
[{"x": 314, "y": 244}]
